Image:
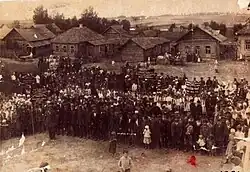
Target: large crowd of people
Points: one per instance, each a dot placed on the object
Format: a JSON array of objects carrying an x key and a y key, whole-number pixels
[{"x": 140, "y": 106}]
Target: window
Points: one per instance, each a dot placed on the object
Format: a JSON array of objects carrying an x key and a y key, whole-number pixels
[
  {"x": 247, "y": 43},
  {"x": 64, "y": 48},
  {"x": 72, "y": 49},
  {"x": 57, "y": 48},
  {"x": 197, "y": 50},
  {"x": 208, "y": 50}
]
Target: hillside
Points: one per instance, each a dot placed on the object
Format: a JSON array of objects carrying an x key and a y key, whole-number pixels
[{"x": 229, "y": 19}]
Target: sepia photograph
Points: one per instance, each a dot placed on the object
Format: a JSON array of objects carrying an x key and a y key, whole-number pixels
[{"x": 124, "y": 86}]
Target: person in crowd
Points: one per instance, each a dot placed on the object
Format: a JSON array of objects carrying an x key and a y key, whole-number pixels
[
  {"x": 90, "y": 102},
  {"x": 230, "y": 145},
  {"x": 147, "y": 137}
]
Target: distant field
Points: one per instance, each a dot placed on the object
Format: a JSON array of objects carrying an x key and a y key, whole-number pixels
[{"x": 229, "y": 19}]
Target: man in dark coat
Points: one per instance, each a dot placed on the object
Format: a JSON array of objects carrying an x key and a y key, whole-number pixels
[
  {"x": 193, "y": 109},
  {"x": 156, "y": 133},
  {"x": 219, "y": 134},
  {"x": 51, "y": 124}
]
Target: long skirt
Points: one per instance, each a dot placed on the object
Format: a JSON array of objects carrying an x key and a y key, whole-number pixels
[{"x": 229, "y": 150}]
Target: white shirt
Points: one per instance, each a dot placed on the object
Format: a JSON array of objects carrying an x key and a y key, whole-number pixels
[
  {"x": 134, "y": 87},
  {"x": 13, "y": 77},
  {"x": 147, "y": 133},
  {"x": 125, "y": 163},
  {"x": 37, "y": 79}
]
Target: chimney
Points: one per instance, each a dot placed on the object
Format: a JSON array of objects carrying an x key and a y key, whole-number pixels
[{"x": 80, "y": 26}]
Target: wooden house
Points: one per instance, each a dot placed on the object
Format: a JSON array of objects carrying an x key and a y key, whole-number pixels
[
  {"x": 116, "y": 31},
  {"x": 201, "y": 40},
  {"x": 243, "y": 42},
  {"x": 140, "y": 48},
  {"x": 79, "y": 42},
  {"x": 21, "y": 42}
]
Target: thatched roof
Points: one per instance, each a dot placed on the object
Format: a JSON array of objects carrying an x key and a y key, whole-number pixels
[{"x": 77, "y": 35}]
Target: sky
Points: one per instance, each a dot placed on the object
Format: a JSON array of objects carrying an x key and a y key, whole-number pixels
[{"x": 23, "y": 9}]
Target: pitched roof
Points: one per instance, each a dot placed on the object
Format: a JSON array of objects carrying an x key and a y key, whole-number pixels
[
  {"x": 120, "y": 41},
  {"x": 4, "y": 30},
  {"x": 42, "y": 29},
  {"x": 56, "y": 28},
  {"x": 77, "y": 35},
  {"x": 149, "y": 42},
  {"x": 172, "y": 36},
  {"x": 119, "y": 29},
  {"x": 213, "y": 33},
  {"x": 39, "y": 43},
  {"x": 34, "y": 34},
  {"x": 244, "y": 31}
]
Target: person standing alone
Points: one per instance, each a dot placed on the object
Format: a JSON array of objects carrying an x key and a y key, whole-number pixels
[{"x": 125, "y": 162}]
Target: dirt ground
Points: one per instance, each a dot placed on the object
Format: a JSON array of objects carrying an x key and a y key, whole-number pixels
[
  {"x": 227, "y": 69},
  {"x": 68, "y": 154}
]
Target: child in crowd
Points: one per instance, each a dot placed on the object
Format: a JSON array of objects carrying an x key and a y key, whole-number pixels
[
  {"x": 201, "y": 143},
  {"x": 147, "y": 137},
  {"x": 113, "y": 143}
]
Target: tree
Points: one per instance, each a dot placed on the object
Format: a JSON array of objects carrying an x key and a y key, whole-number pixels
[
  {"x": 237, "y": 27},
  {"x": 90, "y": 19},
  {"x": 206, "y": 23},
  {"x": 223, "y": 29},
  {"x": 191, "y": 26},
  {"x": 126, "y": 25},
  {"x": 60, "y": 21},
  {"x": 214, "y": 25},
  {"x": 16, "y": 24},
  {"x": 171, "y": 28},
  {"x": 41, "y": 16}
]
